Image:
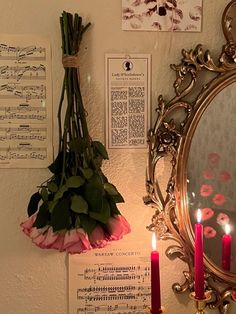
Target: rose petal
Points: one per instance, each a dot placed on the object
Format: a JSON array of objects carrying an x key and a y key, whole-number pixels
[
  {"x": 97, "y": 238},
  {"x": 206, "y": 190},
  {"x": 207, "y": 213},
  {"x": 222, "y": 219},
  {"x": 209, "y": 232},
  {"x": 117, "y": 227},
  {"x": 219, "y": 199}
]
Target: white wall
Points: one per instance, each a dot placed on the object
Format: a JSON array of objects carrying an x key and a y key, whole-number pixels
[{"x": 34, "y": 281}]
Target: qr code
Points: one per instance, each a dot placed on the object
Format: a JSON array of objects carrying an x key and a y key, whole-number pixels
[
  {"x": 136, "y": 105},
  {"x": 119, "y": 95},
  {"x": 136, "y": 126},
  {"x": 120, "y": 137},
  {"x": 136, "y": 91},
  {"x": 119, "y": 122},
  {"x": 118, "y": 108}
]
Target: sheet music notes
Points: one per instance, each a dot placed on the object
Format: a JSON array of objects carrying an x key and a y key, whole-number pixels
[
  {"x": 25, "y": 102},
  {"x": 109, "y": 281}
]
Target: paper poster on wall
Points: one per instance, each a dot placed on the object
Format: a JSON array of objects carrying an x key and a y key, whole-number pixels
[
  {"x": 25, "y": 102},
  {"x": 108, "y": 281},
  {"x": 127, "y": 100},
  {"x": 162, "y": 15}
]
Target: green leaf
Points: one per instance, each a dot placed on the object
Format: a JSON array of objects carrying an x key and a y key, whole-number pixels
[
  {"x": 93, "y": 192},
  {"x": 74, "y": 182},
  {"x": 110, "y": 189},
  {"x": 103, "y": 215},
  {"x": 33, "y": 203},
  {"x": 52, "y": 186},
  {"x": 87, "y": 223},
  {"x": 100, "y": 149},
  {"x": 42, "y": 216},
  {"x": 114, "y": 209},
  {"x": 60, "y": 217},
  {"x": 87, "y": 172},
  {"x": 117, "y": 198},
  {"x": 51, "y": 205},
  {"x": 79, "y": 204},
  {"x": 44, "y": 193},
  {"x": 60, "y": 192}
]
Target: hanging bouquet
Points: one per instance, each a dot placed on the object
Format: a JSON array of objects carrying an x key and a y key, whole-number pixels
[{"x": 75, "y": 210}]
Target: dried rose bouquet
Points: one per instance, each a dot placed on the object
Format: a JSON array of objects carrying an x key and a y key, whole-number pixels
[{"x": 75, "y": 210}]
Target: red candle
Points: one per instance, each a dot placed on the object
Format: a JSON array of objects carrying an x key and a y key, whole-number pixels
[
  {"x": 226, "y": 248},
  {"x": 198, "y": 259},
  {"x": 155, "y": 279}
]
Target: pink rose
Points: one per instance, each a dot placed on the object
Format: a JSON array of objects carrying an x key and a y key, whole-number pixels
[
  {"x": 224, "y": 176},
  {"x": 50, "y": 238},
  {"x": 222, "y": 219},
  {"x": 76, "y": 241},
  {"x": 219, "y": 199},
  {"x": 206, "y": 190},
  {"x": 209, "y": 232},
  {"x": 58, "y": 244},
  {"x": 207, "y": 213},
  {"x": 97, "y": 238},
  {"x": 208, "y": 174},
  {"x": 28, "y": 224},
  {"x": 117, "y": 227},
  {"x": 213, "y": 158}
]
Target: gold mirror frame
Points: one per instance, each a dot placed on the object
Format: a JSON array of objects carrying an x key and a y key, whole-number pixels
[{"x": 170, "y": 139}]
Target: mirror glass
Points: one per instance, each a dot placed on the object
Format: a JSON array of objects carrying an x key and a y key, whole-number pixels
[{"x": 211, "y": 175}]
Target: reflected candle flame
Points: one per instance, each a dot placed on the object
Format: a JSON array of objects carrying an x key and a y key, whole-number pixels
[
  {"x": 227, "y": 229},
  {"x": 154, "y": 242},
  {"x": 199, "y": 216}
]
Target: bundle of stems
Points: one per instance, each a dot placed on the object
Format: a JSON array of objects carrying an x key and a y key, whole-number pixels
[{"x": 77, "y": 195}]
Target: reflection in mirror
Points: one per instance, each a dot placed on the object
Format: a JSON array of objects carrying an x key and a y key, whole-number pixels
[
  {"x": 230, "y": 20},
  {"x": 211, "y": 172},
  {"x": 194, "y": 133}
]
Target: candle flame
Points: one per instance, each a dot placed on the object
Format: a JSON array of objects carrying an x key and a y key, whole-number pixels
[
  {"x": 227, "y": 229},
  {"x": 154, "y": 241},
  {"x": 199, "y": 215}
]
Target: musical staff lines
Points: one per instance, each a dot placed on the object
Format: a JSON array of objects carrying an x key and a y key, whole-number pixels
[
  {"x": 118, "y": 287},
  {"x": 28, "y": 53},
  {"x": 25, "y": 102}
]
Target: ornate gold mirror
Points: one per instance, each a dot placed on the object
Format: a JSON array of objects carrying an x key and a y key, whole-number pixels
[{"x": 195, "y": 135}]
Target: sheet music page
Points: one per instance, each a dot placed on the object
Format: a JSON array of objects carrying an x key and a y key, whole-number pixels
[
  {"x": 25, "y": 102},
  {"x": 110, "y": 280},
  {"x": 127, "y": 100}
]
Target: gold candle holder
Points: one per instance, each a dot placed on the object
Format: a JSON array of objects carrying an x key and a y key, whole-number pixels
[
  {"x": 162, "y": 310},
  {"x": 201, "y": 304}
]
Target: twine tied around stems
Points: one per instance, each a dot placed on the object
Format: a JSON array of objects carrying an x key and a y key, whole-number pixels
[{"x": 70, "y": 61}]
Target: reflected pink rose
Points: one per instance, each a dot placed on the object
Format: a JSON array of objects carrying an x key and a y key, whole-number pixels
[
  {"x": 224, "y": 176},
  {"x": 208, "y": 174},
  {"x": 206, "y": 190},
  {"x": 213, "y": 158},
  {"x": 207, "y": 213},
  {"x": 222, "y": 219},
  {"x": 209, "y": 232},
  {"x": 117, "y": 227},
  {"x": 219, "y": 199}
]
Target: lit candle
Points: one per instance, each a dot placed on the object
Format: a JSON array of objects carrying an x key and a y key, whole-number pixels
[
  {"x": 155, "y": 279},
  {"x": 198, "y": 259},
  {"x": 226, "y": 248}
]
